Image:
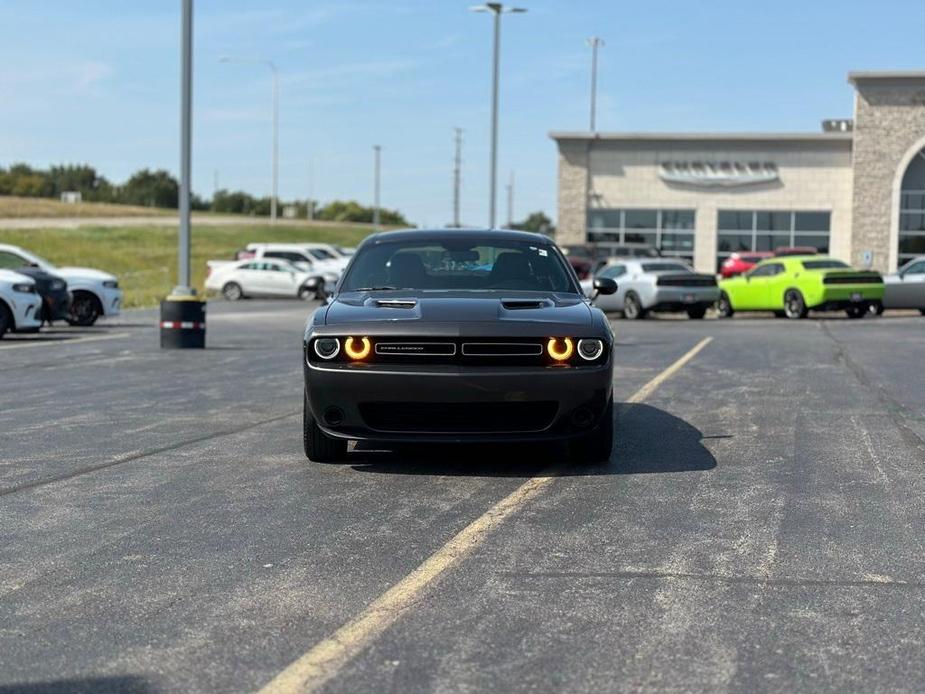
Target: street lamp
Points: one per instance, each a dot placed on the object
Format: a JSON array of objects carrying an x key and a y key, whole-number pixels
[
  {"x": 594, "y": 42},
  {"x": 269, "y": 64},
  {"x": 377, "y": 151},
  {"x": 497, "y": 9}
]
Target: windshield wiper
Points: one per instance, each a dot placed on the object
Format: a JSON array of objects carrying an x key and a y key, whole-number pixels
[{"x": 377, "y": 289}]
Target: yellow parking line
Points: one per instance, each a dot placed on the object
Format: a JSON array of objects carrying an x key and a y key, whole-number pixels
[
  {"x": 69, "y": 341},
  {"x": 325, "y": 659}
]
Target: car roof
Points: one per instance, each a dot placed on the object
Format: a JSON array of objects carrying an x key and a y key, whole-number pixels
[{"x": 449, "y": 234}]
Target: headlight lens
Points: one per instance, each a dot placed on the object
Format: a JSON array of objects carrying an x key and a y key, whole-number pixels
[
  {"x": 590, "y": 350},
  {"x": 111, "y": 284},
  {"x": 327, "y": 347},
  {"x": 24, "y": 288},
  {"x": 357, "y": 348},
  {"x": 57, "y": 285},
  {"x": 560, "y": 349}
]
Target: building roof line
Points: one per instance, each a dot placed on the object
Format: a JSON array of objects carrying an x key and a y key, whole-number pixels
[
  {"x": 886, "y": 76},
  {"x": 702, "y": 136}
]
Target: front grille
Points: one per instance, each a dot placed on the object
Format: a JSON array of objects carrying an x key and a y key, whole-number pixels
[
  {"x": 686, "y": 281},
  {"x": 865, "y": 278},
  {"x": 416, "y": 349},
  {"x": 458, "y": 418},
  {"x": 501, "y": 349}
]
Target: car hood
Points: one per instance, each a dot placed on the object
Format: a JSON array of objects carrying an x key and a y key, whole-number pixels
[
  {"x": 84, "y": 273},
  {"x": 15, "y": 277},
  {"x": 498, "y": 308}
]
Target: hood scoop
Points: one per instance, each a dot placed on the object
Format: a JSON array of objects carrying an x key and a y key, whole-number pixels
[
  {"x": 396, "y": 303},
  {"x": 519, "y": 304}
]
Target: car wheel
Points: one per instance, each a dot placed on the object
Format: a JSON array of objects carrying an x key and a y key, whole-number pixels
[
  {"x": 877, "y": 308},
  {"x": 696, "y": 313},
  {"x": 724, "y": 306},
  {"x": 632, "y": 307},
  {"x": 319, "y": 447},
  {"x": 232, "y": 291},
  {"x": 6, "y": 320},
  {"x": 794, "y": 305},
  {"x": 922, "y": 311},
  {"x": 306, "y": 294},
  {"x": 780, "y": 314},
  {"x": 85, "y": 310},
  {"x": 856, "y": 312},
  {"x": 595, "y": 447}
]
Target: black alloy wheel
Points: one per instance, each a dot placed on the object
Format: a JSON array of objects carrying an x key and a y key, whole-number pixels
[
  {"x": 85, "y": 310},
  {"x": 794, "y": 305}
]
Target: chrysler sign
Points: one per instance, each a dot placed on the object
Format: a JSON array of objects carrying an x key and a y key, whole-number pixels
[{"x": 718, "y": 174}]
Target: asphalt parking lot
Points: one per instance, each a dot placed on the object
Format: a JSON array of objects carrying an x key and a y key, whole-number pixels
[{"x": 759, "y": 525}]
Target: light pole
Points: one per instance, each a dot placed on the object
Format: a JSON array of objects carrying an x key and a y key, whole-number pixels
[
  {"x": 275, "y": 72},
  {"x": 497, "y": 9},
  {"x": 594, "y": 42},
  {"x": 376, "y": 152},
  {"x": 457, "y": 175},
  {"x": 183, "y": 287}
]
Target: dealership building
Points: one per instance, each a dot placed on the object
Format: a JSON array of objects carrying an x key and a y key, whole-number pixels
[{"x": 855, "y": 189}]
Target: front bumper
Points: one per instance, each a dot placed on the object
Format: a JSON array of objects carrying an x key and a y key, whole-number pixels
[
  {"x": 111, "y": 299},
  {"x": 683, "y": 298},
  {"x": 55, "y": 305},
  {"x": 27, "y": 312},
  {"x": 370, "y": 402}
]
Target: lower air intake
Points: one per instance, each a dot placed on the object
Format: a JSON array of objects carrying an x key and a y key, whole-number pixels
[{"x": 458, "y": 418}]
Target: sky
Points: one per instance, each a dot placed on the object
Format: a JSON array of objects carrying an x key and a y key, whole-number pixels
[{"x": 97, "y": 82}]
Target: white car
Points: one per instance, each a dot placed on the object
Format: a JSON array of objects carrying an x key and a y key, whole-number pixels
[
  {"x": 321, "y": 259},
  {"x": 19, "y": 303},
  {"x": 95, "y": 293},
  {"x": 905, "y": 288},
  {"x": 266, "y": 277}
]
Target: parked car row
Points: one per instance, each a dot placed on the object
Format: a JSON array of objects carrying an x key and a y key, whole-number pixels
[
  {"x": 296, "y": 270},
  {"x": 34, "y": 291},
  {"x": 787, "y": 285}
]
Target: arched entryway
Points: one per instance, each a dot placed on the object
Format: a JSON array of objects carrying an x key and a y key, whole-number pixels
[{"x": 911, "y": 227}]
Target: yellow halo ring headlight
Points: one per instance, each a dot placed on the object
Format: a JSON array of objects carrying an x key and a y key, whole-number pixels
[
  {"x": 357, "y": 354},
  {"x": 560, "y": 353}
]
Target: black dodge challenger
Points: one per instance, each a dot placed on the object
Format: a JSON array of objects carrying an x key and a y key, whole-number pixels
[{"x": 459, "y": 336}]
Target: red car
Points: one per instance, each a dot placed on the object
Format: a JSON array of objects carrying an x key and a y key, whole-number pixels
[{"x": 737, "y": 263}]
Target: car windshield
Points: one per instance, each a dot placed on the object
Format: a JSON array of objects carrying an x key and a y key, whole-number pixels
[
  {"x": 824, "y": 264},
  {"x": 664, "y": 267},
  {"x": 459, "y": 263}
]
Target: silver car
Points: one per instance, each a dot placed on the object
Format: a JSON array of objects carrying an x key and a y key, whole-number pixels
[
  {"x": 906, "y": 288},
  {"x": 656, "y": 285}
]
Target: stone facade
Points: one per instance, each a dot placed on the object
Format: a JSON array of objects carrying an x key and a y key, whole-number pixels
[
  {"x": 573, "y": 193},
  {"x": 889, "y": 131}
]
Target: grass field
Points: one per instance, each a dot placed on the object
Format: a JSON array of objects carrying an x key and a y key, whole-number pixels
[
  {"x": 145, "y": 258},
  {"x": 12, "y": 206}
]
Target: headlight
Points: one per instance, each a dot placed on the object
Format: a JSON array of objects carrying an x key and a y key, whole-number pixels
[
  {"x": 57, "y": 285},
  {"x": 327, "y": 347},
  {"x": 357, "y": 349},
  {"x": 111, "y": 284},
  {"x": 24, "y": 288},
  {"x": 560, "y": 349},
  {"x": 590, "y": 349}
]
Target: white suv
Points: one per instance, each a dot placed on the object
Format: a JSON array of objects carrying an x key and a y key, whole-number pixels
[
  {"x": 19, "y": 303},
  {"x": 95, "y": 293}
]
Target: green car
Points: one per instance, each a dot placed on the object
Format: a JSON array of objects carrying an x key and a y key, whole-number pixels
[{"x": 792, "y": 286}]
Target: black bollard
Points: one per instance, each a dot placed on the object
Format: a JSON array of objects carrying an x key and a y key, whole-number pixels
[{"x": 183, "y": 323}]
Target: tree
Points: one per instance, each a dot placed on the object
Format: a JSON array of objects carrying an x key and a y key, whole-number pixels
[
  {"x": 150, "y": 189},
  {"x": 537, "y": 222},
  {"x": 352, "y": 211}
]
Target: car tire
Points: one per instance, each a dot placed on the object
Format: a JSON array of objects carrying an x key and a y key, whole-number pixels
[
  {"x": 6, "y": 320},
  {"x": 856, "y": 312},
  {"x": 595, "y": 447},
  {"x": 780, "y": 314},
  {"x": 877, "y": 308},
  {"x": 795, "y": 305},
  {"x": 232, "y": 292},
  {"x": 922, "y": 311},
  {"x": 85, "y": 310},
  {"x": 724, "y": 306},
  {"x": 306, "y": 294},
  {"x": 319, "y": 447},
  {"x": 696, "y": 313},
  {"x": 632, "y": 307}
]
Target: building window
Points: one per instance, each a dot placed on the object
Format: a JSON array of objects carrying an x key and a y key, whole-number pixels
[
  {"x": 669, "y": 231},
  {"x": 912, "y": 211},
  {"x": 767, "y": 230}
]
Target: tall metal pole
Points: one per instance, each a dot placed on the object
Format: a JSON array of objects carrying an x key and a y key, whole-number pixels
[
  {"x": 510, "y": 202},
  {"x": 594, "y": 42},
  {"x": 494, "y": 120},
  {"x": 457, "y": 176},
  {"x": 376, "y": 149},
  {"x": 273, "y": 201},
  {"x": 183, "y": 287},
  {"x": 310, "y": 207}
]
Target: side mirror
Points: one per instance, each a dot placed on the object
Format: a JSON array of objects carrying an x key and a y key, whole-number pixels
[{"x": 605, "y": 286}]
